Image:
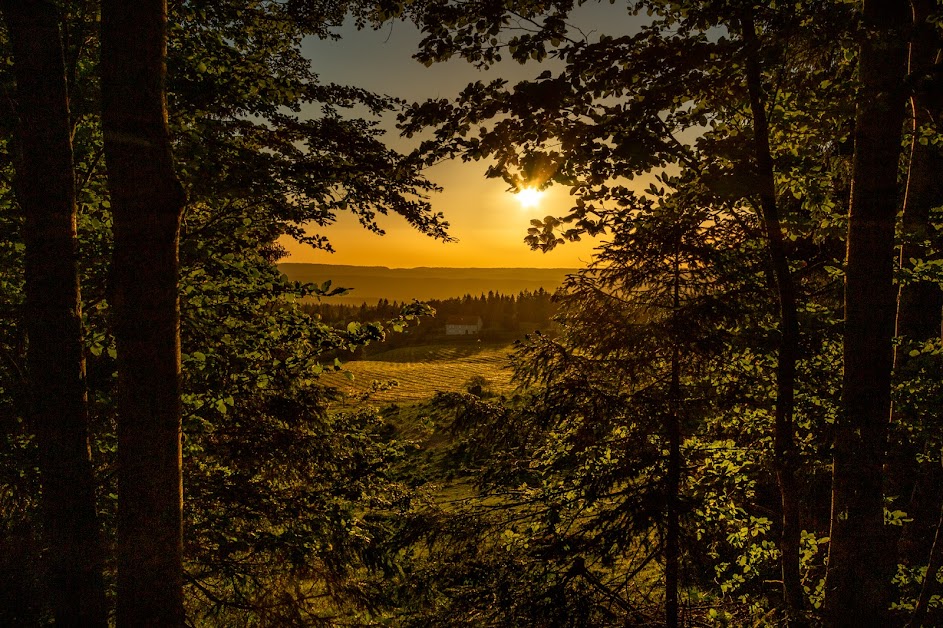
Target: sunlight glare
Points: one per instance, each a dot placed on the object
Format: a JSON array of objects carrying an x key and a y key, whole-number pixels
[{"x": 529, "y": 197}]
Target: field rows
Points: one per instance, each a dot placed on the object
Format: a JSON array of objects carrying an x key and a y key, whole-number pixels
[{"x": 420, "y": 372}]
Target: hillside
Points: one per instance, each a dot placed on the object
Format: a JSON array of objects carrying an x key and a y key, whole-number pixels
[{"x": 371, "y": 283}]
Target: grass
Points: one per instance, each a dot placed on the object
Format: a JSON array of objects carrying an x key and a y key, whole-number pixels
[
  {"x": 444, "y": 365},
  {"x": 421, "y": 371}
]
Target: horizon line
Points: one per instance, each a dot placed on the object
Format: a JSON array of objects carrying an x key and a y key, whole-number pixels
[{"x": 431, "y": 267}]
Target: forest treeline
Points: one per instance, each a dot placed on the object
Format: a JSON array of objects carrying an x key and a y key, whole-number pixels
[
  {"x": 736, "y": 422},
  {"x": 497, "y": 311},
  {"x": 370, "y": 284}
]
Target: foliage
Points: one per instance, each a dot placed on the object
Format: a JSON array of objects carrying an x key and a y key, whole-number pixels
[
  {"x": 668, "y": 106},
  {"x": 550, "y": 506},
  {"x": 285, "y": 503},
  {"x": 238, "y": 85}
]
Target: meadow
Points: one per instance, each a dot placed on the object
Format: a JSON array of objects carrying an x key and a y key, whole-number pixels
[{"x": 412, "y": 374}]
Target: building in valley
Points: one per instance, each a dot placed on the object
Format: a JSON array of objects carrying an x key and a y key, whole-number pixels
[{"x": 463, "y": 325}]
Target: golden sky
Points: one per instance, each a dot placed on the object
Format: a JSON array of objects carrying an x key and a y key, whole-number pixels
[{"x": 488, "y": 221}]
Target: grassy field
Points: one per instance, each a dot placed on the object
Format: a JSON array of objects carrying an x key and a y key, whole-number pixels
[{"x": 421, "y": 371}]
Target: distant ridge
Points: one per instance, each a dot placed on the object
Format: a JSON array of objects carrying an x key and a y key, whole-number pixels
[{"x": 369, "y": 284}]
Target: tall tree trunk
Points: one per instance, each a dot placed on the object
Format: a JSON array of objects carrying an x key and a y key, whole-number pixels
[
  {"x": 858, "y": 579},
  {"x": 786, "y": 456},
  {"x": 45, "y": 186},
  {"x": 919, "y": 304},
  {"x": 929, "y": 586},
  {"x": 147, "y": 200},
  {"x": 673, "y": 522}
]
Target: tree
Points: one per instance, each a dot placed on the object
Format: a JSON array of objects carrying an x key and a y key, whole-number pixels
[
  {"x": 786, "y": 454},
  {"x": 147, "y": 201},
  {"x": 248, "y": 156},
  {"x": 254, "y": 170},
  {"x": 45, "y": 187},
  {"x": 758, "y": 117},
  {"x": 919, "y": 298},
  {"x": 596, "y": 473},
  {"x": 860, "y": 560},
  {"x": 913, "y": 476},
  {"x": 920, "y": 302}
]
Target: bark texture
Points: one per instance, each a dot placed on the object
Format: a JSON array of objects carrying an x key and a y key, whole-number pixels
[
  {"x": 147, "y": 200},
  {"x": 45, "y": 190},
  {"x": 859, "y": 564},
  {"x": 786, "y": 456},
  {"x": 919, "y": 303}
]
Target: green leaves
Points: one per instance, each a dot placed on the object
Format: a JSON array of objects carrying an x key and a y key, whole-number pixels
[
  {"x": 222, "y": 405},
  {"x": 653, "y": 133},
  {"x": 238, "y": 82}
]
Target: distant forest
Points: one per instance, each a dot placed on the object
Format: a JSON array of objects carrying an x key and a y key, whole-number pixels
[
  {"x": 371, "y": 283},
  {"x": 497, "y": 311}
]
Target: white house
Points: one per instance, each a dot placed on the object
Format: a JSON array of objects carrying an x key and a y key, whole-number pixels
[{"x": 462, "y": 325}]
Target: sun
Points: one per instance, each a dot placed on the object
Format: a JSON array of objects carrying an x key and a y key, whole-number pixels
[{"x": 529, "y": 197}]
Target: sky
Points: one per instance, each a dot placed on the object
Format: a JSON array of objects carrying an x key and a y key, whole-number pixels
[{"x": 488, "y": 221}]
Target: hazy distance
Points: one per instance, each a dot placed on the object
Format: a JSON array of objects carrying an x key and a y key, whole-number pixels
[{"x": 369, "y": 284}]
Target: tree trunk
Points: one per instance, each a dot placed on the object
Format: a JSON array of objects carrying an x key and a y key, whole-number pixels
[
  {"x": 919, "y": 304},
  {"x": 147, "y": 201},
  {"x": 859, "y": 564},
  {"x": 673, "y": 518},
  {"x": 786, "y": 456},
  {"x": 929, "y": 587},
  {"x": 45, "y": 187}
]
